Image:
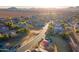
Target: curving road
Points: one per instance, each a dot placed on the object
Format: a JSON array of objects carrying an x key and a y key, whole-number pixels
[{"x": 34, "y": 41}]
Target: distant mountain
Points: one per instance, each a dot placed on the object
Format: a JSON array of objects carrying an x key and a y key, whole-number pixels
[
  {"x": 12, "y": 8},
  {"x": 73, "y": 9},
  {"x": 76, "y": 7}
]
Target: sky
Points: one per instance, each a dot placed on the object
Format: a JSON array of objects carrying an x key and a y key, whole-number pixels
[{"x": 40, "y": 3}]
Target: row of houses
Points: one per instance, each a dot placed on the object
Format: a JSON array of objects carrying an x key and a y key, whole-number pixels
[
  {"x": 5, "y": 29},
  {"x": 70, "y": 21}
]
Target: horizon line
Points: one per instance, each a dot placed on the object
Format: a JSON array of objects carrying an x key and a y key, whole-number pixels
[{"x": 35, "y": 7}]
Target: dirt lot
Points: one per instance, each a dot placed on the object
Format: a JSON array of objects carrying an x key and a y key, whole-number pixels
[{"x": 13, "y": 13}]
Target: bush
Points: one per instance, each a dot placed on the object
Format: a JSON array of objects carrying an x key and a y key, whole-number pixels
[
  {"x": 77, "y": 31},
  {"x": 65, "y": 35},
  {"x": 4, "y": 36},
  {"x": 22, "y": 30}
]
